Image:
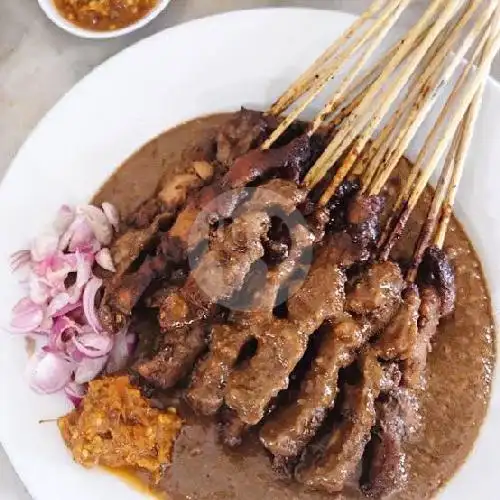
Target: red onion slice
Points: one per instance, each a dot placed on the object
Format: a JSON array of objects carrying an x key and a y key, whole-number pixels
[
  {"x": 65, "y": 216},
  {"x": 111, "y": 213},
  {"x": 75, "y": 393},
  {"x": 121, "y": 352},
  {"x": 26, "y": 316},
  {"x": 93, "y": 345},
  {"x": 89, "y": 307},
  {"x": 49, "y": 372},
  {"x": 101, "y": 227},
  {"x": 104, "y": 259},
  {"x": 44, "y": 246},
  {"x": 88, "y": 369}
]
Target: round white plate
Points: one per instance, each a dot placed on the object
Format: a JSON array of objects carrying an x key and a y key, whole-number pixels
[{"x": 215, "y": 64}]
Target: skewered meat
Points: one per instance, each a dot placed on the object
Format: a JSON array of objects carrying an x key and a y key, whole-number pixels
[
  {"x": 126, "y": 292},
  {"x": 397, "y": 341},
  {"x": 338, "y": 461},
  {"x": 384, "y": 466},
  {"x": 429, "y": 316},
  {"x": 210, "y": 376},
  {"x": 376, "y": 289},
  {"x": 222, "y": 270},
  {"x": 244, "y": 131},
  {"x": 437, "y": 270},
  {"x": 282, "y": 343},
  {"x": 289, "y": 430},
  {"x": 175, "y": 360}
]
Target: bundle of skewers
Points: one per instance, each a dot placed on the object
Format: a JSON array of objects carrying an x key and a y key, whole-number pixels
[{"x": 280, "y": 372}]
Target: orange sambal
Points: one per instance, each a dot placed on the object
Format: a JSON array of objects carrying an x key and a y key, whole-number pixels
[{"x": 104, "y": 15}]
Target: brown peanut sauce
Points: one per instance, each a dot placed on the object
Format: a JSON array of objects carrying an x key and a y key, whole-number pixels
[{"x": 460, "y": 366}]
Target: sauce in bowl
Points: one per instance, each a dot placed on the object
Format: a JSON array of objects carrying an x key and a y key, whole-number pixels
[{"x": 104, "y": 15}]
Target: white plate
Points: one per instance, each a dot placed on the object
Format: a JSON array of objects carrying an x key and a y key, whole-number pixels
[{"x": 210, "y": 65}]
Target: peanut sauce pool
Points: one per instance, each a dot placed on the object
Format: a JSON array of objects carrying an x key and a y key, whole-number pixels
[{"x": 460, "y": 366}]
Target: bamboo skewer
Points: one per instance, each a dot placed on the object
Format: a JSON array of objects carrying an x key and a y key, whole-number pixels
[
  {"x": 404, "y": 144},
  {"x": 360, "y": 117},
  {"x": 465, "y": 140},
  {"x": 354, "y": 120},
  {"x": 471, "y": 87},
  {"x": 375, "y": 34},
  {"x": 426, "y": 93},
  {"x": 303, "y": 83}
]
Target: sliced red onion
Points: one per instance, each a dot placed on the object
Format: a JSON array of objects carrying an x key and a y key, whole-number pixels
[
  {"x": 57, "y": 270},
  {"x": 89, "y": 307},
  {"x": 99, "y": 223},
  {"x": 75, "y": 393},
  {"x": 65, "y": 216},
  {"x": 39, "y": 291},
  {"x": 111, "y": 213},
  {"x": 122, "y": 350},
  {"x": 26, "y": 316},
  {"x": 89, "y": 368},
  {"x": 93, "y": 345},
  {"x": 78, "y": 235},
  {"x": 63, "y": 331},
  {"x": 104, "y": 259},
  {"x": 49, "y": 372},
  {"x": 67, "y": 309},
  {"x": 60, "y": 302},
  {"x": 44, "y": 246},
  {"x": 46, "y": 325},
  {"x": 77, "y": 348}
]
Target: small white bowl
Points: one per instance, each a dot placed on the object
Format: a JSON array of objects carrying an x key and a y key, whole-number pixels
[{"x": 57, "y": 18}]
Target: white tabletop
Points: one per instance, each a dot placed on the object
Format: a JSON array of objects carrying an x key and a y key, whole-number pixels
[{"x": 39, "y": 63}]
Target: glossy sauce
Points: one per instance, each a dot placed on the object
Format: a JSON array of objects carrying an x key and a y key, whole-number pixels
[
  {"x": 459, "y": 368},
  {"x": 104, "y": 15}
]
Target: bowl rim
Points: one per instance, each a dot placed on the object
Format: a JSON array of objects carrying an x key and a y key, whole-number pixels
[{"x": 59, "y": 20}]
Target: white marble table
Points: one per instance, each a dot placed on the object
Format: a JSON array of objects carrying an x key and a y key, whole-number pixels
[{"x": 39, "y": 63}]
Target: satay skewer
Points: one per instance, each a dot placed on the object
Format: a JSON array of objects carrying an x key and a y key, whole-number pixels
[
  {"x": 423, "y": 96},
  {"x": 425, "y": 166},
  {"x": 305, "y": 81},
  {"x": 363, "y": 120}
]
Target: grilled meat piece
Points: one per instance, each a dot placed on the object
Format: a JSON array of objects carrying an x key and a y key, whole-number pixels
[
  {"x": 384, "y": 466},
  {"x": 376, "y": 291},
  {"x": 291, "y": 160},
  {"x": 397, "y": 341},
  {"x": 338, "y": 461},
  {"x": 363, "y": 218},
  {"x": 175, "y": 359},
  {"x": 436, "y": 270},
  {"x": 206, "y": 393},
  {"x": 208, "y": 384},
  {"x": 282, "y": 343},
  {"x": 128, "y": 289},
  {"x": 385, "y": 461},
  {"x": 429, "y": 316},
  {"x": 244, "y": 131},
  {"x": 290, "y": 429}
]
